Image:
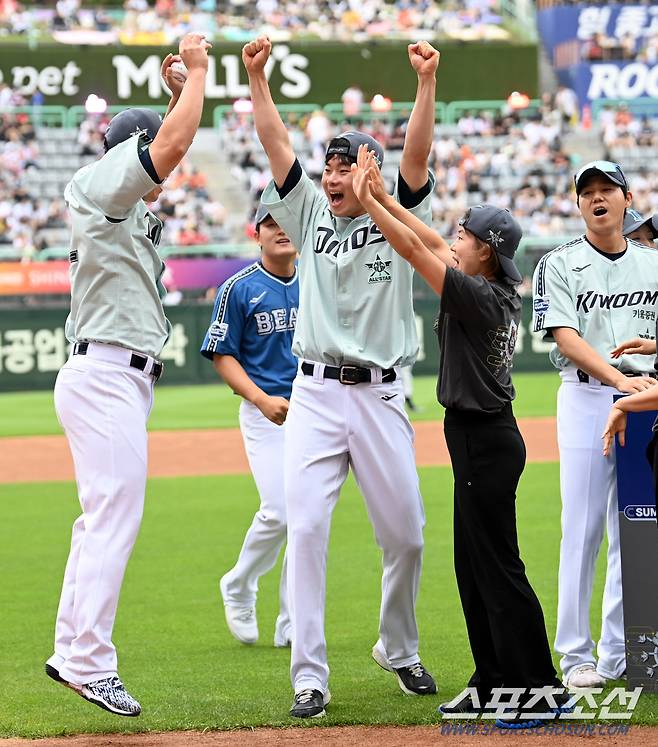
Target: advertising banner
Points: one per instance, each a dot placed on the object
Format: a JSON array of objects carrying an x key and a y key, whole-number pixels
[{"x": 639, "y": 553}]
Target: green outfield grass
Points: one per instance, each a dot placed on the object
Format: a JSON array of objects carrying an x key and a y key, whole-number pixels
[
  {"x": 215, "y": 406},
  {"x": 176, "y": 654}
]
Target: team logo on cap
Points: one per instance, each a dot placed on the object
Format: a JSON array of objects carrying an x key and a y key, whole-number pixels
[
  {"x": 379, "y": 270},
  {"x": 495, "y": 238}
]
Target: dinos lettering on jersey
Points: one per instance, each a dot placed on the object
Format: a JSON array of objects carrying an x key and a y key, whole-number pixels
[
  {"x": 592, "y": 300},
  {"x": 276, "y": 320},
  {"x": 327, "y": 243}
]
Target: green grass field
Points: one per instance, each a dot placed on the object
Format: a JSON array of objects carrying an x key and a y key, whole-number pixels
[
  {"x": 215, "y": 406},
  {"x": 176, "y": 654}
]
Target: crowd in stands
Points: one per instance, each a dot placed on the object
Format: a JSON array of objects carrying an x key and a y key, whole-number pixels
[
  {"x": 165, "y": 21},
  {"x": 508, "y": 159},
  {"x": 31, "y": 222}
]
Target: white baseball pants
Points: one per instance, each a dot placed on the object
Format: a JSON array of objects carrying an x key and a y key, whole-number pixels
[
  {"x": 103, "y": 406},
  {"x": 588, "y": 484},
  {"x": 264, "y": 443},
  {"x": 331, "y": 427}
]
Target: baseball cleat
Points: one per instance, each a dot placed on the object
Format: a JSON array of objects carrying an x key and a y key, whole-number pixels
[
  {"x": 108, "y": 693},
  {"x": 584, "y": 677},
  {"x": 241, "y": 621},
  {"x": 461, "y": 705},
  {"x": 515, "y": 719},
  {"x": 413, "y": 679},
  {"x": 309, "y": 703}
]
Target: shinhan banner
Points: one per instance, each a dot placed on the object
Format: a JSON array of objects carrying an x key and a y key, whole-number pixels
[
  {"x": 41, "y": 278},
  {"x": 566, "y": 33}
]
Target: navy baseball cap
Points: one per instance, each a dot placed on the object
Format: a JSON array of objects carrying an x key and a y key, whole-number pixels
[
  {"x": 261, "y": 214},
  {"x": 633, "y": 220},
  {"x": 499, "y": 228},
  {"x": 347, "y": 144},
  {"x": 131, "y": 122},
  {"x": 608, "y": 169}
]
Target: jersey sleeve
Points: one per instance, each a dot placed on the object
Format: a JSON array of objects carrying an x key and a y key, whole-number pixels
[
  {"x": 224, "y": 335},
  {"x": 471, "y": 299},
  {"x": 552, "y": 303},
  {"x": 419, "y": 203},
  {"x": 295, "y": 212},
  {"x": 117, "y": 182}
]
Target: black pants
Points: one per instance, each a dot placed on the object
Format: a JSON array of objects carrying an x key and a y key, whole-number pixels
[
  {"x": 652, "y": 456},
  {"x": 503, "y": 616}
]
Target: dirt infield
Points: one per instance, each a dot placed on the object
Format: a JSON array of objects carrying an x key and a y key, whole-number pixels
[
  {"x": 220, "y": 452},
  {"x": 356, "y": 736}
]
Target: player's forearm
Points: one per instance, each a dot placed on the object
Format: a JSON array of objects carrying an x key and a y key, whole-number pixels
[
  {"x": 430, "y": 238},
  {"x": 172, "y": 103},
  {"x": 270, "y": 129},
  {"x": 232, "y": 372},
  {"x": 419, "y": 135},
  {"x": 408, "y": 245},
  {"x": 583, "y": 355},
  {"x": 183, "y": 117},
  {"x": 646, "y": 400}
]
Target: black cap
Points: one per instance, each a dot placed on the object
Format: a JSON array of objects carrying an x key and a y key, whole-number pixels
[
  {"x": 610, "y": 170},
  {"x": 261, "y": 214},
  {"x": 131, "y": 122},
  {"x": 347, "y": 144},
  {"x": 633, "y": 220},
  {"x": 499, "y": 228}
]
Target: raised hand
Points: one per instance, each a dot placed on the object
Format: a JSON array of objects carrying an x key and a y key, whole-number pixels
[
  {"x": 376, "y": 182},
  {"x": 360, "y": 181},
  {"x": 424, "y": 58},
  {"x": 173, "y": 82},
  {"x": 256, "y": 53},
  {"x": 634, "y": 347},
  {"x": 193, "y": 51}
]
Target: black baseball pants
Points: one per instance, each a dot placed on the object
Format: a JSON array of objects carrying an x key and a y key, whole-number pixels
[{"x": 504, "y": 619}]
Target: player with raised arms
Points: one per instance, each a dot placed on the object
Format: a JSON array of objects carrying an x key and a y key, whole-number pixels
[
  {"x": 355, "y": 329},
  {"x": 104, "y": 392}
]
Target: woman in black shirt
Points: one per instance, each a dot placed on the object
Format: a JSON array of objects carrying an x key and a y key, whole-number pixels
[{"x": 477, "y": 328}]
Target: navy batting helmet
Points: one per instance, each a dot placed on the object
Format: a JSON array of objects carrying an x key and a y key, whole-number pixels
[
  {"x": 131, "y": 122},
  {"x": 347, "y": 144}
]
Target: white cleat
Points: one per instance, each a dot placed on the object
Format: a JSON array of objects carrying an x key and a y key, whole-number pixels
[
  {"x": 584, "y": 677},
  {"x": 241, "y": 621}
]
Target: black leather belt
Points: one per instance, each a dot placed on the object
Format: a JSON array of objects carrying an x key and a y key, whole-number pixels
[
  {"x": 350, "y": 374},
  {"x": 584, "y": 377},
  {"x": 137, "y": 360}
]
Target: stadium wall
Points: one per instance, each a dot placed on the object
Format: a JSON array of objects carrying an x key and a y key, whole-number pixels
[
  {"x": 33, "y": 346},
  {"x": 301, "y": 72}
]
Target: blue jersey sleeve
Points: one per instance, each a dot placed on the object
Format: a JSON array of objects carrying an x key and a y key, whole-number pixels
[{"x": 224, "y": 335}]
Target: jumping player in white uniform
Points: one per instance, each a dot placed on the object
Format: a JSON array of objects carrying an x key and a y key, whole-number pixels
[
  {"x": 249, "y": 341},
  {"x": 355, "y": 329},
  {"x": 104, "y": 393},
  {"x": 590, "y": 295}
]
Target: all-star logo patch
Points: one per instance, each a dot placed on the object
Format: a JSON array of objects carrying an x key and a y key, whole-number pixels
[
  {"x": 495, "y": 238},
  {"x": 218, "y": 331},
  {"x": 379, "y": 270}
]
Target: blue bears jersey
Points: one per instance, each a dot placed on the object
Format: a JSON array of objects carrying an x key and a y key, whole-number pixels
[{"x": 254, "y": 321}]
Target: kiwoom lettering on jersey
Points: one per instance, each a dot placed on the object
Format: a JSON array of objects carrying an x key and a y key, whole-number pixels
[
  {"x": 327, "y": 243},
  {"x": 276, "y": 320},
  {"x": 592, "y": 300}
]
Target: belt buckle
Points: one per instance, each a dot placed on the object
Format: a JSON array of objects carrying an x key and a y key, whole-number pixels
[{"x": 343, "y": 375}]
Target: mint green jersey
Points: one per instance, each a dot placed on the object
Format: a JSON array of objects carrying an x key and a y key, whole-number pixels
[
  {"x": 115, "y": 268},
  {"x": 355, "y": 291}
]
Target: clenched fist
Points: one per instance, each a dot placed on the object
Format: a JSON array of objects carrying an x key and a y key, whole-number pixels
[
  {"x": 424, "y": 58},
  {"x": 255, "y": 54}
]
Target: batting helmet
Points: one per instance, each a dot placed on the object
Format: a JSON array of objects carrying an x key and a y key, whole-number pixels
[
  {"x": 347, "y": 144},
  {"x": 131, "y": 122}
]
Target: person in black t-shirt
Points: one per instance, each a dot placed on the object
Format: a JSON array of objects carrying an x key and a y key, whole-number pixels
[{"x": 477, "y": 328}]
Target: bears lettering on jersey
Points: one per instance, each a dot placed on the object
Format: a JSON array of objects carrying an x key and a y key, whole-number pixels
[
  {"x": 276, "y": 320},
  {"x": 327, "y": 243},
  {"x": 591, "y": 300}
]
